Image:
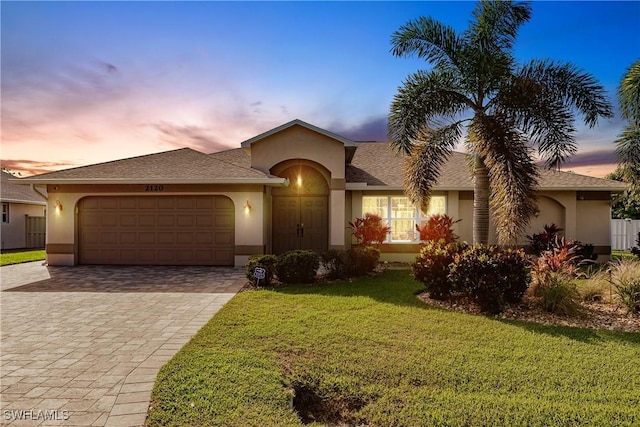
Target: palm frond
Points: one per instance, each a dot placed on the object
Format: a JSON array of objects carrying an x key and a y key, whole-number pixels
[
  {"x": 423, "y": 165},
  {"x": 425, "y": 99},
  {"x": 628, "y": 150},
  {"x": 572, "y": 87},
  {"x": 629, "y": 94},
  {"x": 429, "y": 39},
  {"x": 497, "y": 23},
  {"x": 513, "y": 177}
]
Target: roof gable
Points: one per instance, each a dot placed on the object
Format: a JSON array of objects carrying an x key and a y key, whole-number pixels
[{"x": 346, "y": 142}]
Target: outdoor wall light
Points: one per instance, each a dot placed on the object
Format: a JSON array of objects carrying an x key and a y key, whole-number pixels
[
  {"x": 58, "y": 207},
  {"x": 247, "y": 208},
  {"x": 299, "y": 181}
]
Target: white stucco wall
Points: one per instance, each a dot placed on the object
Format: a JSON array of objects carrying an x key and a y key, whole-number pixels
[{"x": 12, "y": 234}]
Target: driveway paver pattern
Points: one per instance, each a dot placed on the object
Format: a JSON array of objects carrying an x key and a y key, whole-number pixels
[{"x": 81, "y": 346}]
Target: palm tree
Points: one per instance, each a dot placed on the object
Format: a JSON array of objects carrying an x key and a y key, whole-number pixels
[
  {"x": 628, "y": 142},
  {"x": 504, "y": 110}
]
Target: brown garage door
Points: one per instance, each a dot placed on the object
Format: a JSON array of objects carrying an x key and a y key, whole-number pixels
[{"x": 156, "y": 230}]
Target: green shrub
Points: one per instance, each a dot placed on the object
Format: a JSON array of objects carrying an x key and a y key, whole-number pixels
[
  {"x": 513, "y": 265},
  {"x": 268, "y": 262},
  {"x": 298, "y": 266},
  {"x": 362, "y": 260},
  {"x": 490, "y": 276},
  {"x": 431, "y": 268},
  {"x": 357, "y": 261},
  {"x": 625, "y": 276},
  {"x": 335, "y": 262},
  {"x": 560, "y": 295}
]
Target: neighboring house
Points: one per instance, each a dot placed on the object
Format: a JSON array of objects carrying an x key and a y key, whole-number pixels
[
  {"x": 295, "y": 186},
  {"x": 23, "y": 214}
]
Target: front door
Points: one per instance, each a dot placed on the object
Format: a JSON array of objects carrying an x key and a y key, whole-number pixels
[
  {"x": 300, "y": 222},
  {"x": 300, "y": 217}
]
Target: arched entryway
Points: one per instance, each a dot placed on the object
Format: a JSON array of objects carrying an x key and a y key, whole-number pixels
[{"x": 300, "y": 216}]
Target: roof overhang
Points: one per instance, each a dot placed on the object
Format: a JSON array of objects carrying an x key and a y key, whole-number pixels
[
  {"x": 363, "y": 186},
  {"x": 275, "y": 181},
  {"x": 23, "y": 202}
]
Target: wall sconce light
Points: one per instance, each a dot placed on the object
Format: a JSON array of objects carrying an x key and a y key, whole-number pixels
[
  {"x": 247, "y": 208},
  {"x": 58, "y": 207},
  {"x": 299, "y": 181},
  {"x": 536, "y": 213}
]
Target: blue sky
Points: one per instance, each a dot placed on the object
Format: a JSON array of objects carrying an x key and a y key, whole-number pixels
[{"x": 84, "y": 82}]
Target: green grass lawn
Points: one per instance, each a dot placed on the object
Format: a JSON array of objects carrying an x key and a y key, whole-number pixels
[
  {"x": 16, "y": 256},
  {"x": 368, "y": 352}
]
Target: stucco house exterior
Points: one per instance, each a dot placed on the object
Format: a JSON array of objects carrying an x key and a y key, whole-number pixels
[
  {"x": 23, "y": 214},
  {"x": 295, "y": 186}
]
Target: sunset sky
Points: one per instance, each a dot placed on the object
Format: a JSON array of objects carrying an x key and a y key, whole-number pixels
[{"x": 87, "y": 82}]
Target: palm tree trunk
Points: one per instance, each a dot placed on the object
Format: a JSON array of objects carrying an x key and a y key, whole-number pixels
[{"x": 480, "y": 202}]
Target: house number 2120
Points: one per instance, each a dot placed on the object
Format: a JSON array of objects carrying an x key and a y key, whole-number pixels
[{"x": 154, "y": 188}]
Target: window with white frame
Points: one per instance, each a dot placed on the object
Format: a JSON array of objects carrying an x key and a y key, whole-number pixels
[
  {"x": 5, "y": 212},
  {"x": 402, "y": 215}
]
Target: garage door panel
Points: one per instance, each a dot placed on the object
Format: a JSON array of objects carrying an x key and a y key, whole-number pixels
[
  {"x": 206, "y": 203},
  {"x": 204, "y": 221},
  {"x": 146, "y": 203},
  {"x": 166, "y": 220},
  {"x": 166, "y": 203},
  {"x": 128, "y": 220},
  {"x": 183, "y": 238},
  {"x": 184, "y": 220},
  {"x": 127, "y": 203},
  {"x": 154, "y": 230},
  {"x": 223, "y": 221},
  {"x": 204, "y": 238},
  {"x": 109, "y": 237},
  {"x": 223, "y": 203},
  {"x": 222, "y": 238},
  {"x": 109, "y": 220},
  {"x": 146, "y": 221}
]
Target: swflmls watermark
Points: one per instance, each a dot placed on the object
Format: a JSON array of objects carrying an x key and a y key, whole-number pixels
[{"x": 36, "y": 414}]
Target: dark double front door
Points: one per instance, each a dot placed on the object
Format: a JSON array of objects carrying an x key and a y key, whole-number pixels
[{"x": 300, "y": 222}]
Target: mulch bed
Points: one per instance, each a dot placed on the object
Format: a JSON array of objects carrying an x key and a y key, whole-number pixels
[{"x": 595, "y": 315}]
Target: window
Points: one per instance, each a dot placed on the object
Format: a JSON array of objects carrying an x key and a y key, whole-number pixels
[
  {"x": 5, "y": 212},
  {"x": 402, "y": 215}
]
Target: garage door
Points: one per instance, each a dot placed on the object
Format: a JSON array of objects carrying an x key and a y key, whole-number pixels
[{"x": 156, "y": 230}]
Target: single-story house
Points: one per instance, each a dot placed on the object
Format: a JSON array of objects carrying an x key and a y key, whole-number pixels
[
  {"x": 295, "y": 186},
  {"x": 23, "y": 214}
]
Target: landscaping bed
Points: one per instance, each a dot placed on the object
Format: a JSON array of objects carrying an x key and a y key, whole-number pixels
[{"x": 594, "y": 315}]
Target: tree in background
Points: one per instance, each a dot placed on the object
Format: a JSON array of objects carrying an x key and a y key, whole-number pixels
[
  {"x": 504, "y": 110},
  {"x": 628, "y": 142},
  {"x": 626, "y": 204}
]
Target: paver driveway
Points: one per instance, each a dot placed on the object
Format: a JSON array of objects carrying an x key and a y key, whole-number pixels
[{"x": 82, "y": 345}]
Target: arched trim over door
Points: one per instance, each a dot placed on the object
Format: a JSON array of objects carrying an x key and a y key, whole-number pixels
[{"x": 300, "y": 215}]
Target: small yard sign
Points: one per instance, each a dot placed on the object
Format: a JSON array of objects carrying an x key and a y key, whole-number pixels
[{"x": 259, "y": 273}]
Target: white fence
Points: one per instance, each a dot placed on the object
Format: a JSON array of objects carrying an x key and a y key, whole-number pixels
[{"x": 624, "y": 233}]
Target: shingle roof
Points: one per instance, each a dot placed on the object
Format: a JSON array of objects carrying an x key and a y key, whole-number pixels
[
  {"x": 375, "y": 164},
  {"x": 178, "y": 166},
  {"x": 236, "y": 156},
  {"x": 18, "y": 193}
]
